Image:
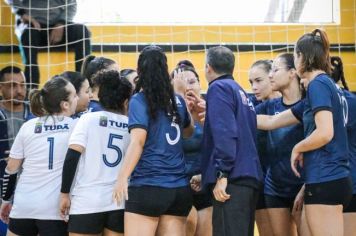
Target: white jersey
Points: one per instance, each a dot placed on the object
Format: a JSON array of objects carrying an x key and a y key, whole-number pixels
[
  {"x": 42, "y": 143},
  {"x": 105, "y": 137}
]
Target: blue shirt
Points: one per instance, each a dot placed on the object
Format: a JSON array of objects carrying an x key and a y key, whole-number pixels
[
  {"x": 351, "y": 135},
  {"x": 193, "y": 151},
  {"x": 329, "y": 162},
  {"x": 229, "y": 142},
  {"x": 280, "y": 179},
  {"x": 94, "y": 106},
  {"x": 162, "y": 160}
]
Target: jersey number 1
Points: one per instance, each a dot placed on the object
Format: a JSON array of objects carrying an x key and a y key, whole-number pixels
[
  {"x": 116, "y": 148},
  {"x": 50, "y": 156}
]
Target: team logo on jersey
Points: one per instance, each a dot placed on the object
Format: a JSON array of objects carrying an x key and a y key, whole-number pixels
[
  {"x": 178, "y": 102},
  {"x": 243, "y": 97},
  {"x": 38, "y": 128},
  {"x": 56, "y": 127},
  {"x": 103, "y": 121}
]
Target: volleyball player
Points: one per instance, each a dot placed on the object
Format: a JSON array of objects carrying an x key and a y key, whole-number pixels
[
  {"x": 202, "y": 200},
  {"x": 281, "y": 185},
  {"x": 91, "y": 66},
  {"x": 130, "y": 75},
  {"x": 325, "y": 144},
  {"x": 262, "y": 91},
  {"x": 38, "y": 150},
  {"x": 158, "y": 191},
  {"x": 96, "y": 148},
  {"x": 338, "y": 76},
  {"x": 82, "y": 87}
]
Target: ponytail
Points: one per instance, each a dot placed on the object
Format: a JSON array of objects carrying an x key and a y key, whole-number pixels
[
  {"x": 36, "y": 102},
  {"x": 337, "y": 72},
  {"x": 314, "y": 48}
]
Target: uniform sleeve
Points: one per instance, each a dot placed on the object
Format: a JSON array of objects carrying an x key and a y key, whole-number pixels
[
  {"x": 17, "y": 149},
  {"x": 298, "y": 110},
  {"x": 79, "y": 135},
  {"x": 319, "y": 95},
  {"x": 261, "y": 109},
  {"x": 186, "y": 118},
  {"x": 222, "y": 121},
  {"x": 138, "y": 114}
]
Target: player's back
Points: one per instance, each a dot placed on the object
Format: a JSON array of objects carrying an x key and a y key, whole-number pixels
[
  {"x": 105, "y": 137},
  {"x": 42, "y": 144}
]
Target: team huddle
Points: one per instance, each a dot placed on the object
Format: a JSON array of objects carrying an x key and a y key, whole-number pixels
[{"x": 140, "y": 152}]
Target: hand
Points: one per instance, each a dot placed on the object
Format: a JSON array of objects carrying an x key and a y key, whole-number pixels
[
  {"x": 64, "y": 205},
  {"x": 220, "y": 190},
  {"x": 120, "y": 193},
  {"x": 31, "y": 21},
  {"x": 299, "y": 200},
  {"x": 5, "y": 211},
  {"x": 196, "y": 105},
  {"x": 296, "y": 158},
  {"x": 56, "y": 34},
  {"x": 179, "y": 82},
  {"x": 195, "y": 183}
]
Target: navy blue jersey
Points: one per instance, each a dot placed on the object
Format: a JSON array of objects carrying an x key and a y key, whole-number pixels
[
  {"x": 94, "y": 106},
  {"x": 329, "y": 162},
  {"x": 280, "y": 180},
  {"x": 253, "y": 99},
  {"x": 162, "y": 161},
  {"x": 351, "y": 134},
  {"x": 229, "y": 142},
  {"x": 192, "y": 150}
]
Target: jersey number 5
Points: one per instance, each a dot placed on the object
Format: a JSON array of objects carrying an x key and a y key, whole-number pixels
[{"x": 112, "y": 137}]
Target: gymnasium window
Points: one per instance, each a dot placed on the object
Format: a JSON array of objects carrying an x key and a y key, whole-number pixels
[{"x": 195, "y": 12}]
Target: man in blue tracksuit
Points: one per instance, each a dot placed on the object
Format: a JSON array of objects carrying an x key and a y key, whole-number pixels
[{"x": 230, "y": 164}]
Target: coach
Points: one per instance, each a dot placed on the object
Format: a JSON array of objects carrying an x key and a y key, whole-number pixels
[{"x": 230, "y": 163}]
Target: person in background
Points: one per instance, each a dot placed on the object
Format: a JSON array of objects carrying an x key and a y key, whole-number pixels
[
  {"x": 199, "y": 219},
  {"x": 262, "y": 91},
  {"x": 130, "y": 75},
  {"x": 91, "y": 66},
  {"x": 43, "y": 23},
  {"x": 81, "y": 85}
]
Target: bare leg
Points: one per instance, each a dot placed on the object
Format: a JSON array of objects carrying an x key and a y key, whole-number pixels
[
  {"x": 205, "y": 225},
  {"x": 349, "y": 223},
  {"x": 325, "y": 219},
  {"x": 192, "y": 222},
  {"x": 138, "y": 225},
  {"x": 263, "y": 223},
  {"x": 282, "y": 222},
  {"x": 171, "y": 226}
]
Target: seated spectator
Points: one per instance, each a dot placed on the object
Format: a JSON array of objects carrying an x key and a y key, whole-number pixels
[{"x": 44, "y": 23}]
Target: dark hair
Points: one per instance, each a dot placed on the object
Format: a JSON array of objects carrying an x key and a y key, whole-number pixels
[
  {"x": 154, "y": 80},
  {"x": 47, "y": 101},
  {"x": 126, "y": 72},
  {"x": 221, "y": 60},
  {"x": 185, "y": 65},
  {"x": 314, "y": 48},
  {"x": 265, "y": 64},
  {"x": 337, "y": 72},
  {"x": 113, "y": 90},
  {"x": 92, "y": 64},
  {"x": 288, "y": 59},
  {"x": 9, "y": 70},
  {"x": 75, "y": 78}
]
